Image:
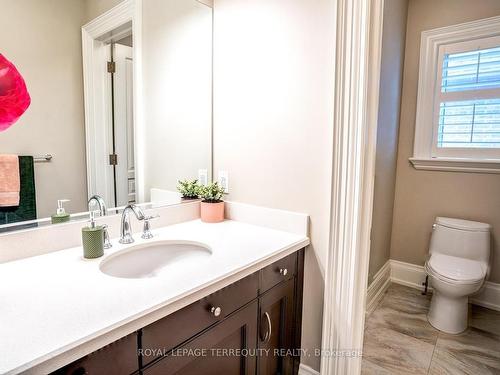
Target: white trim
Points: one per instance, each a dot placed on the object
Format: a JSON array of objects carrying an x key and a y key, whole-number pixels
[
  {"x": 357, "y": 72},
  {"x": 139, "y": 124},
  {"x": 488, "y": 297},
  {"x": 381, "y": 281},
  {"x": 407, "y": 274},
  {"x": 306, "y": 370},
  {"x": 96, "y": 102},
  {"x": 413, "y": 276},
  {"x": 430, "y": 44},
  {"x": 457, "y": 165}
]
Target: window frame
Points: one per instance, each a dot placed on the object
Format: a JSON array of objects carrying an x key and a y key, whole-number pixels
[{"x": 433, "y": 47}]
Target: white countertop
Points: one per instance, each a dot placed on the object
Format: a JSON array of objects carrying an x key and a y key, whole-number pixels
[{"x": 57, "y": 307}]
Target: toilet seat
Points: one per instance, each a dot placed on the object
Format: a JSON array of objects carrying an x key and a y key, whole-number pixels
[{"x": 455, "y": 270}]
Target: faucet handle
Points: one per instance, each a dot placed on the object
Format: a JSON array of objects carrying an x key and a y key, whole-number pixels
[
  {"x": 146, "y": 232},
  {"x": 107, "y": 242}
]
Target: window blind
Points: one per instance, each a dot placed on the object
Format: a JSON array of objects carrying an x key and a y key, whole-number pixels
[
  {"x": 470, "y": 123},
  {"x": 471, "y": 70}
]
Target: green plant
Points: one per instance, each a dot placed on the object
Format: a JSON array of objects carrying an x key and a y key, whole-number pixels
[
  {"x": 211, "y": 193},
  {"x": 189, "y": 188}
]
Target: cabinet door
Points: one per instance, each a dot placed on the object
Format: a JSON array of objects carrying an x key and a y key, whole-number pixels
[
  {"x": 276, "y": 325},
  {"x": 216, "y": 351}
]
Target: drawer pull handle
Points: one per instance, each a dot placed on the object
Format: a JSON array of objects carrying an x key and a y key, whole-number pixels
[
  {"x": 216, "y": 311},
  {"x": 283, "y": 271},
  {"x": 267, "y": 336}
]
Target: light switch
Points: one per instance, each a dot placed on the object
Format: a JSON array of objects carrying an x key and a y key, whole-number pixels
[
  {"x": 202, "y": 177},
  {"x": 224, "y": 181}
]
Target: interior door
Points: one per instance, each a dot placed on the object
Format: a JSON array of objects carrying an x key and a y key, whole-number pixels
[{"x": 123, "y": 125}]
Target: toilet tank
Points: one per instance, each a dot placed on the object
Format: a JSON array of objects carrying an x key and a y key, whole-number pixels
[{"x": 461, "y": 238}]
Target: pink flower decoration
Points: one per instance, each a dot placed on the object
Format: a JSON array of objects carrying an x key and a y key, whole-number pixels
[{"x": 14, "y": 96}]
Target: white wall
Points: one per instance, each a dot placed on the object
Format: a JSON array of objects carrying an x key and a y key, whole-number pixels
[
  {"x": 273, "y": 119},
  {"x": 94, "y": 8},
  {"x": 177, "y": 65},
  {"x": 43, "y": 39}
]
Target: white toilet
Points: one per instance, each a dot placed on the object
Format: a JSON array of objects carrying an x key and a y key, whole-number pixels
[{"x": 457, "y": 267}]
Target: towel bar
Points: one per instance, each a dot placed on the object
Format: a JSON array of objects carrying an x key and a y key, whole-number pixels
[{"x": 44, "y": 158}]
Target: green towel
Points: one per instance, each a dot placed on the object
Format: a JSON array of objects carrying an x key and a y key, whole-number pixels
[{"x": 27, "y": 197}]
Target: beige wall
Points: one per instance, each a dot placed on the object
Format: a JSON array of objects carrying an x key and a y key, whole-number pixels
[
  {"x": 177, "y": 65},
  {"x": 423, "y": 195},
  {"x": 391, "y": 77},
  {"x": 273, "y": 108},
  {"x": 43, "y": 39},
  {"x": 94, "y": 8}
]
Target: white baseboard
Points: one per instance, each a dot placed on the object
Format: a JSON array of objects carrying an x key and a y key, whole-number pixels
[
  {"x": 407, "y": 274},
  {"x": 377, "y": 288},
  {"x": 488, "y": 297},
  {"x": 413, "y": 276},
  {"x": 306, "y": 370}
]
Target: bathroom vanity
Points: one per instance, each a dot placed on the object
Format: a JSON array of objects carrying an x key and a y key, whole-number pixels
[
  {"x": 196, "y": 298},
  {"x": 251, "y": 325}
]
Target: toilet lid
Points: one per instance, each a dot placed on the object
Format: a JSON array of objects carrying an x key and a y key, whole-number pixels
[{"x": 454, "y": 268}]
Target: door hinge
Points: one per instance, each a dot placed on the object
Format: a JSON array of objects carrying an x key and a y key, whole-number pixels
[
  {"x": 113, "y": 159},
  {"x": 111, "y": 67}
]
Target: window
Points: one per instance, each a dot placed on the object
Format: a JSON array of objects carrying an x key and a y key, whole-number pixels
[{"x": 458, "y": 105}]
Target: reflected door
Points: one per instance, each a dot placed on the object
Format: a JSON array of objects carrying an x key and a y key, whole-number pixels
[{"x": 123, "y": 125}]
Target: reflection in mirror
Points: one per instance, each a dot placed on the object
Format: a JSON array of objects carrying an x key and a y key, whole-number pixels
[{"x": 120, "y": 119}]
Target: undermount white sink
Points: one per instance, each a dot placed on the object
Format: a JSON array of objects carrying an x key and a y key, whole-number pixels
[{"x": 150, "y": 259}]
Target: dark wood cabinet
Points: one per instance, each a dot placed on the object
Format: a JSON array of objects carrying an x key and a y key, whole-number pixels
[
  {"x": 169, "y": 332},
  {"x": 275, "y": 273},
  {"x": 276, "y": 318},
  {"x": 220, "y": 350},
  {"x": 117, "y": 358},
  {"x": 252, "y": 326}
]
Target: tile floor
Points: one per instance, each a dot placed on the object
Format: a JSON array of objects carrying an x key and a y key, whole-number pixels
[{"x": 399, "y": 340}]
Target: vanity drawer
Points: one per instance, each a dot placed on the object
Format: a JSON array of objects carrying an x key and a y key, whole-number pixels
[
  {"x": 165, "y": 334},
  {"x": 117, "y": 358},
  {"x": 283, "y": 269}
]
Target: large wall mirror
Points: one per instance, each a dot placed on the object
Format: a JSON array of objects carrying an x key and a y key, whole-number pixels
[{"x": 121, "y": 103}]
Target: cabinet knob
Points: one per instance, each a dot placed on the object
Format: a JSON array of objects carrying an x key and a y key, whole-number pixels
[
  {"x": 283, "y": 271},
  {"x": 216, "y": 311}
]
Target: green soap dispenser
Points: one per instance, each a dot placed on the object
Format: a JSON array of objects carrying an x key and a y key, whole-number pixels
[
  {"x": 61, "y": 216},
  {"x": 93, "y": 239}
]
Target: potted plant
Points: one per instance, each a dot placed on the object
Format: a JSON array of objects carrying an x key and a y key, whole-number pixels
[
  {"x": 212, "y": 205},
  {"x": 188, "y": 188}
]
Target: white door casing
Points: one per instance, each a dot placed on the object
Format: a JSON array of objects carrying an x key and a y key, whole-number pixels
[
  {"x": 357, "y": 72},
  {"x": 96, "y": 98},
  {"x": 124, "y": 124}
]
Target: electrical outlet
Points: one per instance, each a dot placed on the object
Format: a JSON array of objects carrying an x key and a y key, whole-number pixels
[
  {"x": 202, "y": 177},
  {"x": 224, "y": 181}
]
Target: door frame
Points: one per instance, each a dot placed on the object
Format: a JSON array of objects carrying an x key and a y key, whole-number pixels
[
  {"x": 357, "y": 74},
  {"x": 96, "y": 102}
]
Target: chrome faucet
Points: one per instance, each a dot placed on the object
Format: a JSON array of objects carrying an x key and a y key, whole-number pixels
[
  {"x": 100, "y": 203},
  {"x": 126, "y": 230}
]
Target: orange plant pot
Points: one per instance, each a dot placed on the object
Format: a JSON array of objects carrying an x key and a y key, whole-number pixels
[{"x": 212, "y": 212}]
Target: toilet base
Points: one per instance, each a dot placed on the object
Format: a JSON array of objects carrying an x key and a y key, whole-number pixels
[{"x": 448, "y": 314}]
